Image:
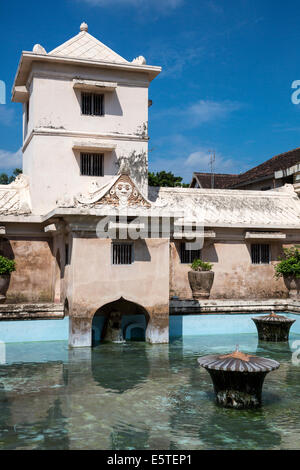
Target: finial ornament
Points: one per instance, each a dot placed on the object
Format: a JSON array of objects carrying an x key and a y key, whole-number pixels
[
  {"x": 140, "y": 60},
  {"x": 84, "y": 27},
  {"x": 38, "y": 49}
]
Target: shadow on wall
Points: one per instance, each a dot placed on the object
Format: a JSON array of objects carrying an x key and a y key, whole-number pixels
[
  {"x": 7, "y": 251},
  {"x": 134, "y": 320},
  {"x": 141, "y": 251},
  {"x": 208, "y": 252}
]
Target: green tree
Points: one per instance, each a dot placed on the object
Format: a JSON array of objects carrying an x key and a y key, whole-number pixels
[
  {"x": 5, "y": 179},
  {"x": 165, "y": 179}
]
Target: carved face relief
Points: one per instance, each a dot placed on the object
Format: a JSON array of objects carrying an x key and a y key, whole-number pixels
[{"x": 123, "y": 191}]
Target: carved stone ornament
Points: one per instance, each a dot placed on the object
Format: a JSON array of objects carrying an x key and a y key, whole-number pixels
[
  {"x": 38, "y": 49},
  {"x": 121, "y": 193},
  {"x": 15, "y": 197},
  {"x": 140, "y": 60}
]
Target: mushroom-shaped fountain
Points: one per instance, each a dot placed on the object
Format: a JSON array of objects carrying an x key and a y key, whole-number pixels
[
  {"x": 273, "y": 327},
  {"x": 238, "y": 378}
]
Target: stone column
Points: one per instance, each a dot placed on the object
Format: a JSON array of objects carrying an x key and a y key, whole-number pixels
[
  {"x": 80, "y": 332},
  {"x": 157, "y": 331}
]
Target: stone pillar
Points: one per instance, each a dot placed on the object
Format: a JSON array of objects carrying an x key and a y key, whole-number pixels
[
  {"x": 157, "y": 331},
  {"x": 80, "y": 332}
]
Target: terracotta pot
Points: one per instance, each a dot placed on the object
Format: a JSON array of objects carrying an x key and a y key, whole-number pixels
[
  {"x": 4, "y": 283},
  {"x": 293, "y": 285},
  {"x": 201, "y": 283}
]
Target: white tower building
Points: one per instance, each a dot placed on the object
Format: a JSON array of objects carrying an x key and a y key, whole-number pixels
[{"x": 85, "y": 111}]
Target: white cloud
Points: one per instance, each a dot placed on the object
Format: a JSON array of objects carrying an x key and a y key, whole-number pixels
[
  {"x": 173, "y": 59},
  {"x": 200, "y": 161},
  {"x": 199, "y": 113},
  {"x": 10, "y": 160},
  {"x": 192, "y": 158},
  {"x": 160, "y": 5},
  {"x": 206, "y": 110}
]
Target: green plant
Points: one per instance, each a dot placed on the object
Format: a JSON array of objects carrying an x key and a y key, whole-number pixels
[
  {"x": 7, "y": 265},
  {"x": 289, "y": 263},
  {"x": 199, "y": 265}
]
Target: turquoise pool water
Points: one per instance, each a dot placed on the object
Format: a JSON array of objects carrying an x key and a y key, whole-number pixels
[{"x": 138, "y": 396}]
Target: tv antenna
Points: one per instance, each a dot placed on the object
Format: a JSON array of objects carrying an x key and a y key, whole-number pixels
[{"x": 212, "y": 160}]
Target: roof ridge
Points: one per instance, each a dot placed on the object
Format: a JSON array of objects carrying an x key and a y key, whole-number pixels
[
  {"x": 215, "y": 174},
  {"x": 269, "y": 159}
]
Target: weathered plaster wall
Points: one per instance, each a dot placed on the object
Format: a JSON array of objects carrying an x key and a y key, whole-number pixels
[
  {"x": 49, "y": 160},
  {"x": 96, "y": 282},
  {"x": 58, "y": 104},
  {"x": 32, "y": 281},
  {"x": 53, "y": 168},
  {"x": 235, "y": 276}
]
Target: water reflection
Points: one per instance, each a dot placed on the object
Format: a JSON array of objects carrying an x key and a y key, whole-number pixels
[
  {"x": 138, "y": 396},
  {"x": 104, "y": 359},
  {"x": 31, "y": 414}
]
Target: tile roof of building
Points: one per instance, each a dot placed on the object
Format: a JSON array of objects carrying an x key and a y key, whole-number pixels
[
  {"x": 221, "y": 181},
  {"x": 86, "y": 46},
  {"x": 267, "y": 168},
  {"x": 279, "y": 208}
]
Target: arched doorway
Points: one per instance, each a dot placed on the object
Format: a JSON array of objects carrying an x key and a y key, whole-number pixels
[{"x": 132, "y": 317}]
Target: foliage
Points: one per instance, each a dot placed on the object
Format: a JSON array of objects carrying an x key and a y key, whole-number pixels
[
  {"x": 199, "y": 265},
  {"x": 6, "y": 265},
  {"x": 5, "y": 179},
  {"x": 165, "y": 179},
  {"x": 289, "y": 263}
]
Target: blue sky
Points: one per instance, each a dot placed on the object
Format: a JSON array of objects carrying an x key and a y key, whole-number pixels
[{"x": 227, "y": 65}]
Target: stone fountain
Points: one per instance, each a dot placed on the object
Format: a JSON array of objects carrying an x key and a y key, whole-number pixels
[
  {"x": 238, "y": 378},
  {"x": 273, "y": 327}
]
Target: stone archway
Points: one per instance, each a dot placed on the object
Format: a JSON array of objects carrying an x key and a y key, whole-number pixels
[{"x": 113, "y": 321}]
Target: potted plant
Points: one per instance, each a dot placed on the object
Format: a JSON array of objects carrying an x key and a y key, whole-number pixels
[
  {"x": 201, "y": 279},
  {"x": 289, "y": 269},
  {"x": 7, "y": 266}
]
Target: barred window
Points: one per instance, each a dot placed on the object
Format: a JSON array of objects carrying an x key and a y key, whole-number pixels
[
  {"x": 92, "y": 104},
  {"x": 188, "y": 256},
  {"x": 91, "y": 164},
  {"x": 122, "y": 253},
  {"x": 260, "y": 254}
]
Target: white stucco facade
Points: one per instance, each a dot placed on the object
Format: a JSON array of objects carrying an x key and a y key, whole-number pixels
[{"x": 55, "y": 129}]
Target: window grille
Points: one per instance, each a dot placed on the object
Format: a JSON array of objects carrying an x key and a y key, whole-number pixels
[
  {"x": 91, "y": 164},
  {"x": 188, "y": 256},
  {"x": 122, "y": 253},
  {"x": 260, "y": 254},
  {"x": 92, "y": 104}
]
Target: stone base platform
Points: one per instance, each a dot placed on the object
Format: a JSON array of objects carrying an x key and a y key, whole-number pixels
[
  {"x": 218, "y": 306},
  {"x": 48, "y": 311},
  {"x": 41, "y": 311}
]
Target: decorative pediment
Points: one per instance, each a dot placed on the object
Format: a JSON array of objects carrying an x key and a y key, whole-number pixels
[
  {"x": 15, "y": 198},
  {"x": 121, "y": 192}
]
